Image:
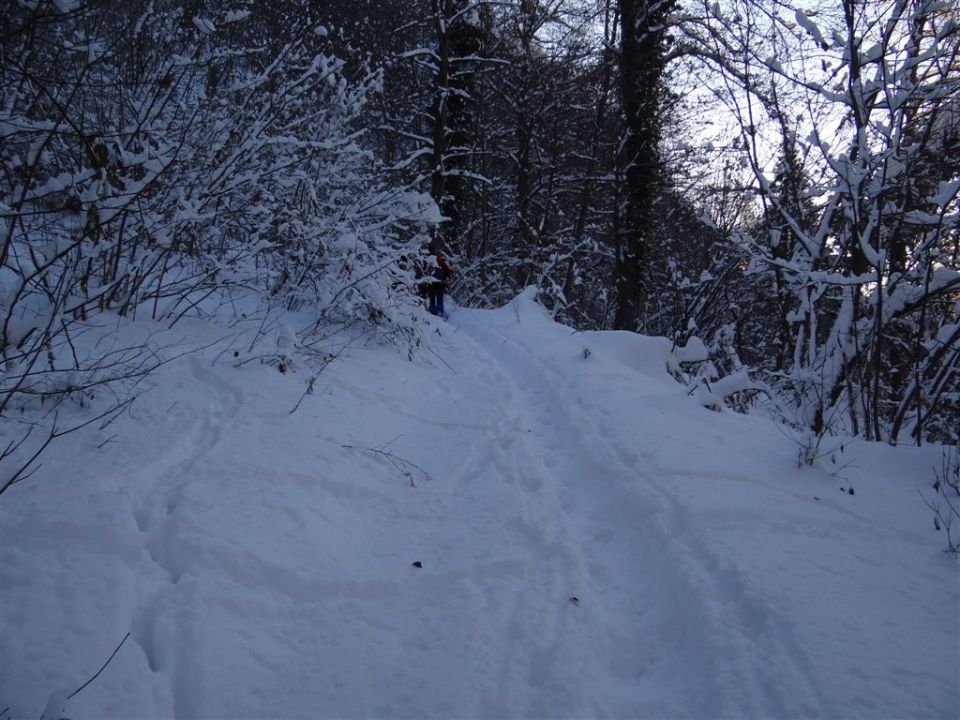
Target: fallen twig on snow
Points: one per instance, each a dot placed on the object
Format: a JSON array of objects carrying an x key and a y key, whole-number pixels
[{"x": 402, "y": 464}]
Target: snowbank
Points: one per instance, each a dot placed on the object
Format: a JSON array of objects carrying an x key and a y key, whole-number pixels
[{"x": 591, "y": 541}]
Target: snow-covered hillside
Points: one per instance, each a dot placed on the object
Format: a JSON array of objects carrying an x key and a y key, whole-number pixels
[{"x": 591, "y": 542}]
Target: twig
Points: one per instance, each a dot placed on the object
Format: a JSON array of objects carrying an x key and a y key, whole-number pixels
[
  {"x": 95, "y": 676},
  {"x": 260, "y": 330},
  {"x": 102, "y": 668},
  {"x": 401, "y": 464},
  {"x": 53, "y": 434},
  {"x": 262, "y": 358},
  {"x": 327, "y": 358},
  {"x": 836, "y": 473},
  {"x": 437, "y": 356},
  {"x": 943, "y": 520},
  {"x": 333, "y": 300},
  {"x": 308, "y": 391}
]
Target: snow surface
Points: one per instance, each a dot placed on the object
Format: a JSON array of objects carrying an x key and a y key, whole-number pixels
[{"x": 593, "y": 543}]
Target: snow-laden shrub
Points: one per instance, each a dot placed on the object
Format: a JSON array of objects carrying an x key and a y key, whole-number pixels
[
  {"x": 945, "y": 501},
  {"x": 154, "y": 161}
]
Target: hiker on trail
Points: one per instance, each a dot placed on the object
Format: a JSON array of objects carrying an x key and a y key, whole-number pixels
[{"x": 440, "y": 272}]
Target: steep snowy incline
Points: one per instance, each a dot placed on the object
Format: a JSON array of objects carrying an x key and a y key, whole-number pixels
[{"x": 591, "y": 542}]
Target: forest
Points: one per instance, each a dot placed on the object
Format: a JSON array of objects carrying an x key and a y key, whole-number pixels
[{"x": 776, "y": 181}]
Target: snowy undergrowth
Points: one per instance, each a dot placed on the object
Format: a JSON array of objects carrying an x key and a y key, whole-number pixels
[{"x": 591, "y": 541}]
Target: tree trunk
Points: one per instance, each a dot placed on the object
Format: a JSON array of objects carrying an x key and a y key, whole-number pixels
[{"x": 642, "y": 61}]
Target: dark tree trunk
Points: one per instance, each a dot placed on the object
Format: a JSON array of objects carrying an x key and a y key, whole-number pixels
[
  {"x": 458, "y": 41},
  {"x": 642, "y": 61},
  {"x": 441, "y": 12}
]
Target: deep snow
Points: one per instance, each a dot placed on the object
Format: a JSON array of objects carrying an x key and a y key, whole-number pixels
[{"x": 594, "y": 543}]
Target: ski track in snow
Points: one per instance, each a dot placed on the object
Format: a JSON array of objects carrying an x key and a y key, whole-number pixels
[
  {"x": 633, "y": 535},
  {"x": 269, "y": 569},
  {"x": 166, "y": 639}
]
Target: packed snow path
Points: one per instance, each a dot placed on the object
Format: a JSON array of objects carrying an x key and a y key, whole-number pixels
[{"x": 591, "y": 541}]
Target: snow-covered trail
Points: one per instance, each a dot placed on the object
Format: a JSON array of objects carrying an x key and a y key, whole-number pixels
[
  {"x": 262, "y": 560},
  {"x": 735, "y": 584},
  {"x": 655, "y": 645}
]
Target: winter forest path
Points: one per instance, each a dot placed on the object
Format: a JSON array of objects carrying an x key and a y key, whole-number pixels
[
  {"x": 659, "y": 621},
  {"x": 522, "y": 522},
  {"x": 707, "y": 565}
]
